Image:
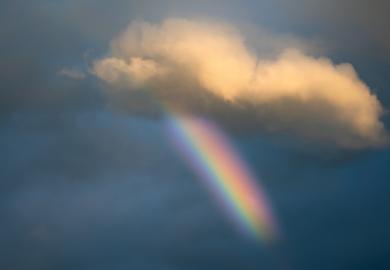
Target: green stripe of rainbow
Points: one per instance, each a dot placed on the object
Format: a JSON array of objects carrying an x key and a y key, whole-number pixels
[{"x": 213, "y": 158}]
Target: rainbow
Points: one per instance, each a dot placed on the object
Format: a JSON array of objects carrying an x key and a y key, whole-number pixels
[{"x": 209, "y": 153}]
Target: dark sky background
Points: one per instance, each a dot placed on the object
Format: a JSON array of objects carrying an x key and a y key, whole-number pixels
[{"x": 85, "y": 186}]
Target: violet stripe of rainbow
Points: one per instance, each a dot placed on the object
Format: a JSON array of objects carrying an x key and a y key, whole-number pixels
[{"x": 209, "y": 153}]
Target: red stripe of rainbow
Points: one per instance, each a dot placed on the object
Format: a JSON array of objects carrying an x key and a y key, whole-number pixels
[{"x": 213, "y": 158}]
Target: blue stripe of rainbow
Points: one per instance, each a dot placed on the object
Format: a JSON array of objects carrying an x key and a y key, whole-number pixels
[{"x": 209, "y": 153}]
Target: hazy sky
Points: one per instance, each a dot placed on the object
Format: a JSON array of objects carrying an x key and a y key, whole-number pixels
[{"x": 89, "y": 180}]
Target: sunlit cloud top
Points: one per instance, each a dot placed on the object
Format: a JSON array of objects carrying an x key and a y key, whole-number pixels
[{"x": 290, "y": 93}]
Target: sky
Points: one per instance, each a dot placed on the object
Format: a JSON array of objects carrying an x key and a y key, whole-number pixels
[{"x": 90, "y": 178}]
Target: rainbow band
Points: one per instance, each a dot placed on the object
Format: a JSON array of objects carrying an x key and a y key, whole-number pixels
[{"x": 212, "y": 157}]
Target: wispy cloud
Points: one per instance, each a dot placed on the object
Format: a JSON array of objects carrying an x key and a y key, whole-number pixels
[{"x": 72, "y": 73}]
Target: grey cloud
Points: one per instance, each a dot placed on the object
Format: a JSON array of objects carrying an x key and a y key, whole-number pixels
[{"x": 348, "y": 24}]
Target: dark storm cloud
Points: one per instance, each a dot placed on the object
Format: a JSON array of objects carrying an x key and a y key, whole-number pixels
[
  {"x": 125, "y": 218},
  {"x": 112, "y": 224},
  {"x": 346, "y": 22},
  {"x": 34, "y": 46},
  {"x": 75, "y": 146},
  {"x": 103, "y": 191}
]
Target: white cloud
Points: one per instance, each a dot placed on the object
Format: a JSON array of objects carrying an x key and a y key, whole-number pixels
[{"x": 291, "y": 92}]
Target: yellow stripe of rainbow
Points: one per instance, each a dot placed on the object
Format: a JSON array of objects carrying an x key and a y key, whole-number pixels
[{"x": 213, "y": 158}]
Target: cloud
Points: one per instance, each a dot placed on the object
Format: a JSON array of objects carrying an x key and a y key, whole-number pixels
[
  {"x": 180, "y": 60},
  {"x": 72, "y": 73}
]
